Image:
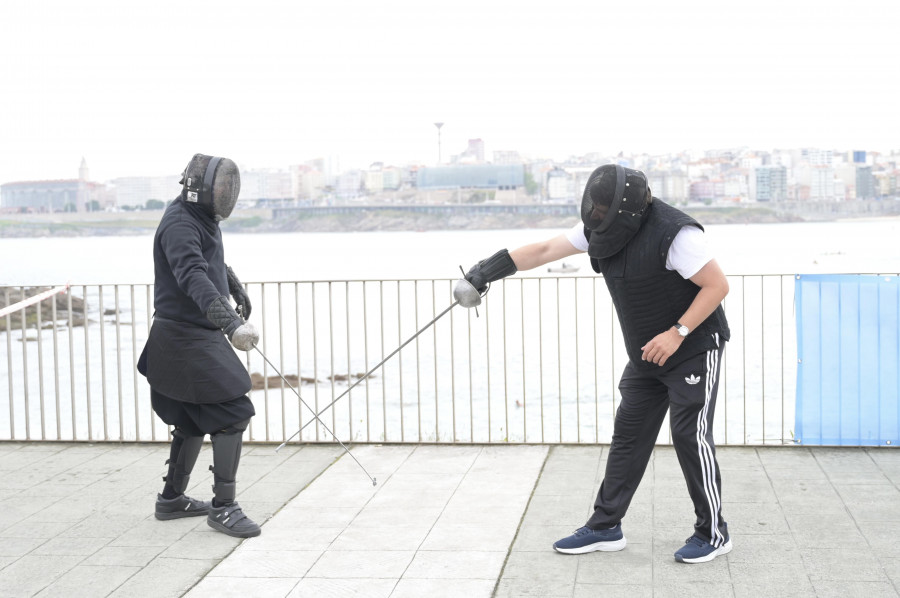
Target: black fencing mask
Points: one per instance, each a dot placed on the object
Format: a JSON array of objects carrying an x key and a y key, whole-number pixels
[
  {"x": 613, "y": 205},
  {"x": 212, "y": 183}
]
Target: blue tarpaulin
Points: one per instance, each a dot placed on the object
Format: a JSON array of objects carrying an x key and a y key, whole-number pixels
[{"x": 848, "y": 337}]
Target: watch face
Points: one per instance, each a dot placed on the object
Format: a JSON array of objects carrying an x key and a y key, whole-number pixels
[{"x": 682, "y": 330}]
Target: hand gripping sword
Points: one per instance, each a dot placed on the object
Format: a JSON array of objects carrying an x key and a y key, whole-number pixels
[{"x": 465, "y": 295}]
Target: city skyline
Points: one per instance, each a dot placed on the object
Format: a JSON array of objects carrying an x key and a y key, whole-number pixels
[
  {"x": 890, "y": 156},
  {"x": 282, "y": 83},
  {"x": 724, "y": 177}
]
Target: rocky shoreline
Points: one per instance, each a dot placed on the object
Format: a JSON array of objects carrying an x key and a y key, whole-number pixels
[{"x": 52, "y": 311}]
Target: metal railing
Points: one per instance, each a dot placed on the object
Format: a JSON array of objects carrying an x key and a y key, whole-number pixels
[{"x": 539, "y": 363}]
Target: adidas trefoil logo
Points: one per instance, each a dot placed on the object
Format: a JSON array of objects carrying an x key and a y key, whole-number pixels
[{"x": 692, "y": 379}]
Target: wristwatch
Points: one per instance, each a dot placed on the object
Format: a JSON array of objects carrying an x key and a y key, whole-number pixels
[{"x": 681, "y": 328}]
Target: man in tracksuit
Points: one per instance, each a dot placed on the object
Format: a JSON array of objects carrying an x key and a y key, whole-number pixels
[
  {"x": 667, "y": 291},
  {"x": 197, "y": 383}
]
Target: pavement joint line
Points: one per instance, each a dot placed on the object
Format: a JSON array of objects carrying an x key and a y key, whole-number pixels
[{"x": 852, "y": 478}]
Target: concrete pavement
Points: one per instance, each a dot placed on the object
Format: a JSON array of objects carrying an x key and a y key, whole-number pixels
[{"x": 470, "y": 521}]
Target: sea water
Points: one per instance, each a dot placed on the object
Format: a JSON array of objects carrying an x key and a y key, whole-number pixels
[{"x": 516, "y": 382}]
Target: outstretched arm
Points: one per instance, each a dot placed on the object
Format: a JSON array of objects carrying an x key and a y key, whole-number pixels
[
  {"x": 537, "y": 254},
  {"x": 505, "y": 263}
]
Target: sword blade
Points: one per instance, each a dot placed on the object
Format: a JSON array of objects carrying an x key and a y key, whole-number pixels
[
  {"x": 313, "y": 411},
  {"x": 369, "y": 373}
]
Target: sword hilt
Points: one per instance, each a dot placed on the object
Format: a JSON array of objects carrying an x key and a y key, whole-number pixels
[{"x": 464, "y": 276}]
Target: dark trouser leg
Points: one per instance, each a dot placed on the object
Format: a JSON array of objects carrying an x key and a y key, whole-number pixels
[
  {"x": 227, "y": 445},
  {"x": 693, "y": 409},
  {"x": 182, "y": 457},
  {"x": 638, "y": 421}
]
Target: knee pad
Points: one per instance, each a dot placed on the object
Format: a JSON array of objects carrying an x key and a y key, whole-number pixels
[
  {"x": 239, "y": 427},
  {"x": 182, "y": 457}
]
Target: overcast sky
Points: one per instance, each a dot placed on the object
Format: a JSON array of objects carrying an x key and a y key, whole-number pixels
[{"x": 136, "y": 88}]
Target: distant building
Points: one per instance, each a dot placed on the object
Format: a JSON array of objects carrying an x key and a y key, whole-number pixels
[
  {"x": 703, "y": 191},
  {"x": 349, "y": 184},
  {"x": 821, "y": 183},
  {"x": 373, "y": 179},
  {"x": 886, "y": 183},
  {"x": 865, "y": 183},
  {"x": 44, "y": 196},
  {"x": 560, "y": 186},
  {"x": 669, "y": 185},
  {"x": 752, "y": 161},
  {"x": 817, "y": 157},
  {"x": 507, "y": 157},
  {"x": 769, "y": 183},
  {"x": 307, "y": 181},
  {"x": 737, "y": 185},
  {"x": 136, "y": 190},
  {"x": 475, "y": 176},
  {"x": 66, "y": 195},
  {"x": 266, "y": 184},
  {"x": 409, "y": 175},
  {"x": 474, "y": 153},
  {"x": 392, "y": 178}
]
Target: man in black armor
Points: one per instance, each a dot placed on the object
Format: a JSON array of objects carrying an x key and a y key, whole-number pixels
[
  {"x": 197, "y": 383},
  {"x": 667, "y": 291}
]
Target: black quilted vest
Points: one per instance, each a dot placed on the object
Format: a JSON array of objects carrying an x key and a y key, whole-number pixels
[{"x": 648, "y": 298}]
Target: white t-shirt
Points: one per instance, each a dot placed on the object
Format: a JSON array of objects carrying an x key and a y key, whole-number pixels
[{"x": 687, "y": 254}]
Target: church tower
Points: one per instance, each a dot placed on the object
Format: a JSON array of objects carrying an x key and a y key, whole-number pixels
[
  {"x": 83, "y": 174},
  {"x": 83, "y": 199}
]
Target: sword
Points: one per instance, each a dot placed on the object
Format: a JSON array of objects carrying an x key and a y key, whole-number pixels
[
  {"x": 316, "y": 415},
  {"x": 465, "y": 295},
  {"x": 367, "y": 374}
]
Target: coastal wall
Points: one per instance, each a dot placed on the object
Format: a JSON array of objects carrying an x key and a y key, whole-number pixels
[{"x": 422, "y": 217}]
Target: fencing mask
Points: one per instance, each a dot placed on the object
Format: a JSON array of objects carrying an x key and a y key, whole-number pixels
[
  {"x": 613, "y": 205},
  {"x": 212, "y": 183}
]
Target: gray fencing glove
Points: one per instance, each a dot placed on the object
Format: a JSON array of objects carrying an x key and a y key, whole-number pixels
[
  {"x": 238, "y": 293},
  {"x": 498, "y": 266},
  {"x": 242, "y": 336}
]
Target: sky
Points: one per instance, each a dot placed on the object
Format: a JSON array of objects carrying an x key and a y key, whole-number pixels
[{"x": 136, "y": 88}]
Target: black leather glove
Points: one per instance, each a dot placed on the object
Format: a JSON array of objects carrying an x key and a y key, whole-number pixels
[
  {"x": 500, "y": 265},
  {"x": 238, "y": 293},
  {"x": 242, "y": 336}
]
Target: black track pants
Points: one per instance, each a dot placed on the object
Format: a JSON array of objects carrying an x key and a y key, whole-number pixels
[{"x": 689, "y": 390}]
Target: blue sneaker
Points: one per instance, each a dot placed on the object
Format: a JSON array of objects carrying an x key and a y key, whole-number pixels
[
  {"x": 586, "y": 539},
  {"x": 696, "y": 550}
]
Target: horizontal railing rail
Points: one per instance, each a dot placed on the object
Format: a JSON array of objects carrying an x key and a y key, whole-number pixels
[{"x": 538, "y": 363}]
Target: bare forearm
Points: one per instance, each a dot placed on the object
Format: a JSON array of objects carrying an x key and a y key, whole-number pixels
[
  {"x": 713, "y": 289},
  {"x": 706, "y": 302},
  {"x": 537, "y": 254}
]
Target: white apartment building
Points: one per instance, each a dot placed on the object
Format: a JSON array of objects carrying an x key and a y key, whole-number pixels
[
  {"x": 306, "y": 182},
  {"x": 669, "y": 185},
  {"x": 821, "y": 183},
  {"x": 265, "y": 183},
  {"x": 374, "y": 181},
  {"x": 134, "y": 191},
  {"x": 560, "y": 186}
]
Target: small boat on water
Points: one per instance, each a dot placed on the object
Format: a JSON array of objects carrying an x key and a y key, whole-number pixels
[{"x": 563, "y": 268}]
